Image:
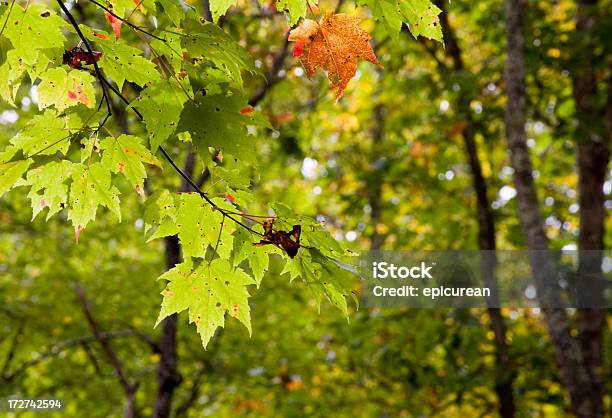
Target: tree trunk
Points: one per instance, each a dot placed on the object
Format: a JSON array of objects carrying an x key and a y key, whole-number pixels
[
  {"x": 593, "y": 148},
  {"x": 567, "y": 351},
  {"x": 168, "y": 376},
  {"x": 486, "y": 230}
]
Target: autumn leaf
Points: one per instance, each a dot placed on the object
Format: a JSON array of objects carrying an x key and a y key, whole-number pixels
[
  {"x": 335, "y": 44},
  {"x": 115, "y": 23}
]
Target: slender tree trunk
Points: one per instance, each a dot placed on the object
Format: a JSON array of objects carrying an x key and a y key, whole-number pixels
[
  {"x": 168, "y": 376},
  {"x": 593, "y": 148},
  {"x": 505, "y": 375},
  {"x": 486, "y": 240},
  {"x": 567, "y": 351}
]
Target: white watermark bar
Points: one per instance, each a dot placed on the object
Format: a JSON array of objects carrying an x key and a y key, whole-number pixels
[{"x": 480, "y": 279}]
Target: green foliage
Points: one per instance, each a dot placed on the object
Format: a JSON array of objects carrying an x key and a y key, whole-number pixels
[
  {"x": 161, "y": 105},
  {"x": 33, "y": 30},
  {"x": 421, "y": 16},
  {"x": 173, "y": 9},
  {"x": 227, "y": 131},
  {"x": 31, "y": 38},
  {"x": 371, "y": 171},
  {"x": 208, "y": 291},
  {"x": 120, "y": 61},
  {"x": 294, "y": 8},
  {"x": 65, "y": 89},
  {"x": 11, "y": 172},
  {"x": 200, "y": 225},
  {"x": 126, "y": 155},
  {"x": 91, "y": 187},
  {"x": 190, "y": 81},
  {"x": 215, "y": 54},
  {"x": 219, "y": 7},
  {"x": 322, "y": 263},
  {"x": 49, "y": 179},
  {"x": 46, "y": 134}
]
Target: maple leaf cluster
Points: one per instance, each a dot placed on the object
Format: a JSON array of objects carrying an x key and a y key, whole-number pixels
[{"x": 335, "y": 44}]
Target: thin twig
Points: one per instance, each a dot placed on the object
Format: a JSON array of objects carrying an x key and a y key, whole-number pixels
[
  {"x": 8, "y": 15},
  {"x": 110, "y": 12},
  {"x": 75, "y": 25}
]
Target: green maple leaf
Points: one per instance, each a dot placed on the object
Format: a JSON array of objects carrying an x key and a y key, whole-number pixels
[
  {"x": 91, "y": 187},
  {"x": 14, "y": 68},
  {"x": 208, "y": 292},
  {"x": 199, "y": 224},
  {"x": 32, "y": 29},
  {"x": 208, "y": 42},
  {"x": 218, "y": 121},
  {"x": 173, "y": 9},
  {"x": 10, "y": 80},
  {"x": 161, "y": 105},
  {"x": 258, "y": 257},
  {"x": 8, "y": 153},
  {"x": 11, "y": 172},
  {"x": 47, "y": 133},
  {"x": 219, "y": 7},
  {"x": 160, "y": 213},
  {"x": 387, "y": 12},
  {"x": 235, "y": 173},
  {"x": 32, "y": 37},
  {"x": 421, "y": 16},
  {"x": 126, "y": 155},
  {"x": 324, "y": 276},
  {"x": 49, "y": 179},
  {"x": 120, "y": 61},
  {"x": 293, "y": 267},
  {"x": 294, "y": 8},
  {"x": 64, "y": 89}
]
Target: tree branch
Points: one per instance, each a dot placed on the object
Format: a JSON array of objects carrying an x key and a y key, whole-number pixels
[
  {"x": 13, "y": 348},
  {"x": 64, "y": 345},
  {"x": 128, "y": 387},
  {"x": 272, "y": 77}
]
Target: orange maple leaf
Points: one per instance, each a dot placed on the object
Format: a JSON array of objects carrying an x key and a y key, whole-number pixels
[{"x": 335, "y": 44}]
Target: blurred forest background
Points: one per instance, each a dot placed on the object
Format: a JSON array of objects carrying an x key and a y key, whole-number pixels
[{"x": 414, "y": 156}]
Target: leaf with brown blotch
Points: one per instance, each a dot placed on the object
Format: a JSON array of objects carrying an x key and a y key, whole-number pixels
[{"x": 335, "y": 44}]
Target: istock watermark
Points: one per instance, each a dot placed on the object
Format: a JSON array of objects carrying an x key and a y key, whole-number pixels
[{"x": 464, "y": 279}]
